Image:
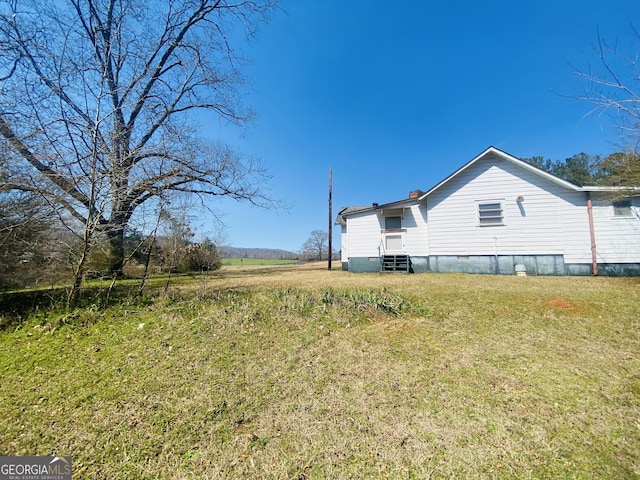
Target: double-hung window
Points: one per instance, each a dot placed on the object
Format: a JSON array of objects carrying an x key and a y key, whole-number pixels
[{"x": 490, "y": 214}]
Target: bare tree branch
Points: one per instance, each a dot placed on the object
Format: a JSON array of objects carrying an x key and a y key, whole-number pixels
[
  {"x": 614, "y": 88},
  {"x": 96, "y": 96},
  {"x": 55, "y": 177}
]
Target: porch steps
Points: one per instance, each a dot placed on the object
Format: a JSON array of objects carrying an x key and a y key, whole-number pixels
[{"x": 395, "y": 263}]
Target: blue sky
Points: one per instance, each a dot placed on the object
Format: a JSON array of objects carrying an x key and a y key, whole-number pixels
[{"x": 395, "y": 96}]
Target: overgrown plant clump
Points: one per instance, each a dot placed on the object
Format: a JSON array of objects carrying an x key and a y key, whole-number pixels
[
  {"x": 283, "y": 304},
  {"x": 300, "y": 373},
  {"x": 244, "y": 306},
  {"x": 366, "y": 302}
]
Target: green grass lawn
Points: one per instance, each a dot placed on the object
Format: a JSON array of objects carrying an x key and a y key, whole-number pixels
[
  {"x": 294, "y": 372},
  {"x": 237, "y": 262}
]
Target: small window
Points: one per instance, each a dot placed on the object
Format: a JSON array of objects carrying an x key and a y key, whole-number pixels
[
  {"x": 490, "y": 214},
  {"x": 622, "y": 208},
  {"x": 392, "y": 223}
]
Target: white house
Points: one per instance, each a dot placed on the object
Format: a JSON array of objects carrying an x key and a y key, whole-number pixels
[{"x": 491, "y": 215}]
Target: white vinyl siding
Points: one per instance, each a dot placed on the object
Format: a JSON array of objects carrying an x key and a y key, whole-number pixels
[
  {"x": 416, "y": 231},
  {"x": 538, "y": 216},
  {"x": 344, "y": 244},
  {"x": 365, "y": 234},
  {"x": 548, "y": 219},
  {"x": 617, "y": 237}
]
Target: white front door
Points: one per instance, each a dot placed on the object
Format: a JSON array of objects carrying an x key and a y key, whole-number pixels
[{"x": 393, "y": 243}]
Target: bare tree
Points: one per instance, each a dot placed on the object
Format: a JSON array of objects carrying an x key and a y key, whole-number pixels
[
  {"x": 177, "y": 234},
  {"x": 95, "y": 97},
  {"x": 25, "y": 227},
  {"x": 613, "y": 88},
  {"x": 206, "y": 258},
  {"x": 316, "y": 246}
]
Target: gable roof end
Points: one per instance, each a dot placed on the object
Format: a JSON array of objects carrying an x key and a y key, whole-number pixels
[
  {"x": 489, "y": 152},
  {"x": 493, "y": 151}
]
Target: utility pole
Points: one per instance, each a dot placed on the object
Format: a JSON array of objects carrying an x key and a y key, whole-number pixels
[{"x": 330, "y": 217}]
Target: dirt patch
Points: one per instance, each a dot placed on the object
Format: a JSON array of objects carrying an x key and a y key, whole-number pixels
[{"x": 563, "y": 304}]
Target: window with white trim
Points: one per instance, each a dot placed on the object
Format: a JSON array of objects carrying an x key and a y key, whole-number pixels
[
  {"x": 392, "y": 223},
  {"x": 622, "y": 208},
  {"x": 490, "y": 214}
]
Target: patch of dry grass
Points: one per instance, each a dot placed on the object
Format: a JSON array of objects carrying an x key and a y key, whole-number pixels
[{"x": 295, "y": 372}]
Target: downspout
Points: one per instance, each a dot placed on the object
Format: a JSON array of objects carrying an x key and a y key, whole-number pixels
[{"x": 592, "y": 234}]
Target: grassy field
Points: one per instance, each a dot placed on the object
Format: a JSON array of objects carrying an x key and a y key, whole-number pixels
[
  {"x": 238, "y": 262},
  {"x": 295, "y": 372}
]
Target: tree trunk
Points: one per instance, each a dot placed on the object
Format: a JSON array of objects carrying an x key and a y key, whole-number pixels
[
  {"x": 116, "y": 244},
  {"x": 74, "y": 293},
  {"x": 78, "y": 274},
  {"x": 146, "y": 265}
]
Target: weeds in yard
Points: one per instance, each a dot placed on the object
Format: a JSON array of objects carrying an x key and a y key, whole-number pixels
[
  {"x": 366, "y": 302},
  {"x": 315, "y": 375}
]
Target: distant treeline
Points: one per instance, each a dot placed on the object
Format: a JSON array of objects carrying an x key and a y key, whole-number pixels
[
  {"x": 617, "y": 169},
  {"x": 261, "y": 253}
]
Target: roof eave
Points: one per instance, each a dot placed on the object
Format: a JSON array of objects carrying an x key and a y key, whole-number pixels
[
  {"x": 375, "y": 207},
  {"x": 597, "y": 188},
  {"x": 398, "y": 204}
]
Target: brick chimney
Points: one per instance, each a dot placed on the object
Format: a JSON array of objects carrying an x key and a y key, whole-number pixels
[{"x": 414, "y": 194}]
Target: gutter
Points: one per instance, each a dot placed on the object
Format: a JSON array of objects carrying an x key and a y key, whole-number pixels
[{"x": 592, "y": 234}]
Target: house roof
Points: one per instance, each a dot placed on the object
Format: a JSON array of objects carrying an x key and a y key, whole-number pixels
[
  {"x": 489, "y": 152},
  {"x": 493, "y": 151},
  {"x": 345, "y": 212},
  {"x": 349, "y": 211}
]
